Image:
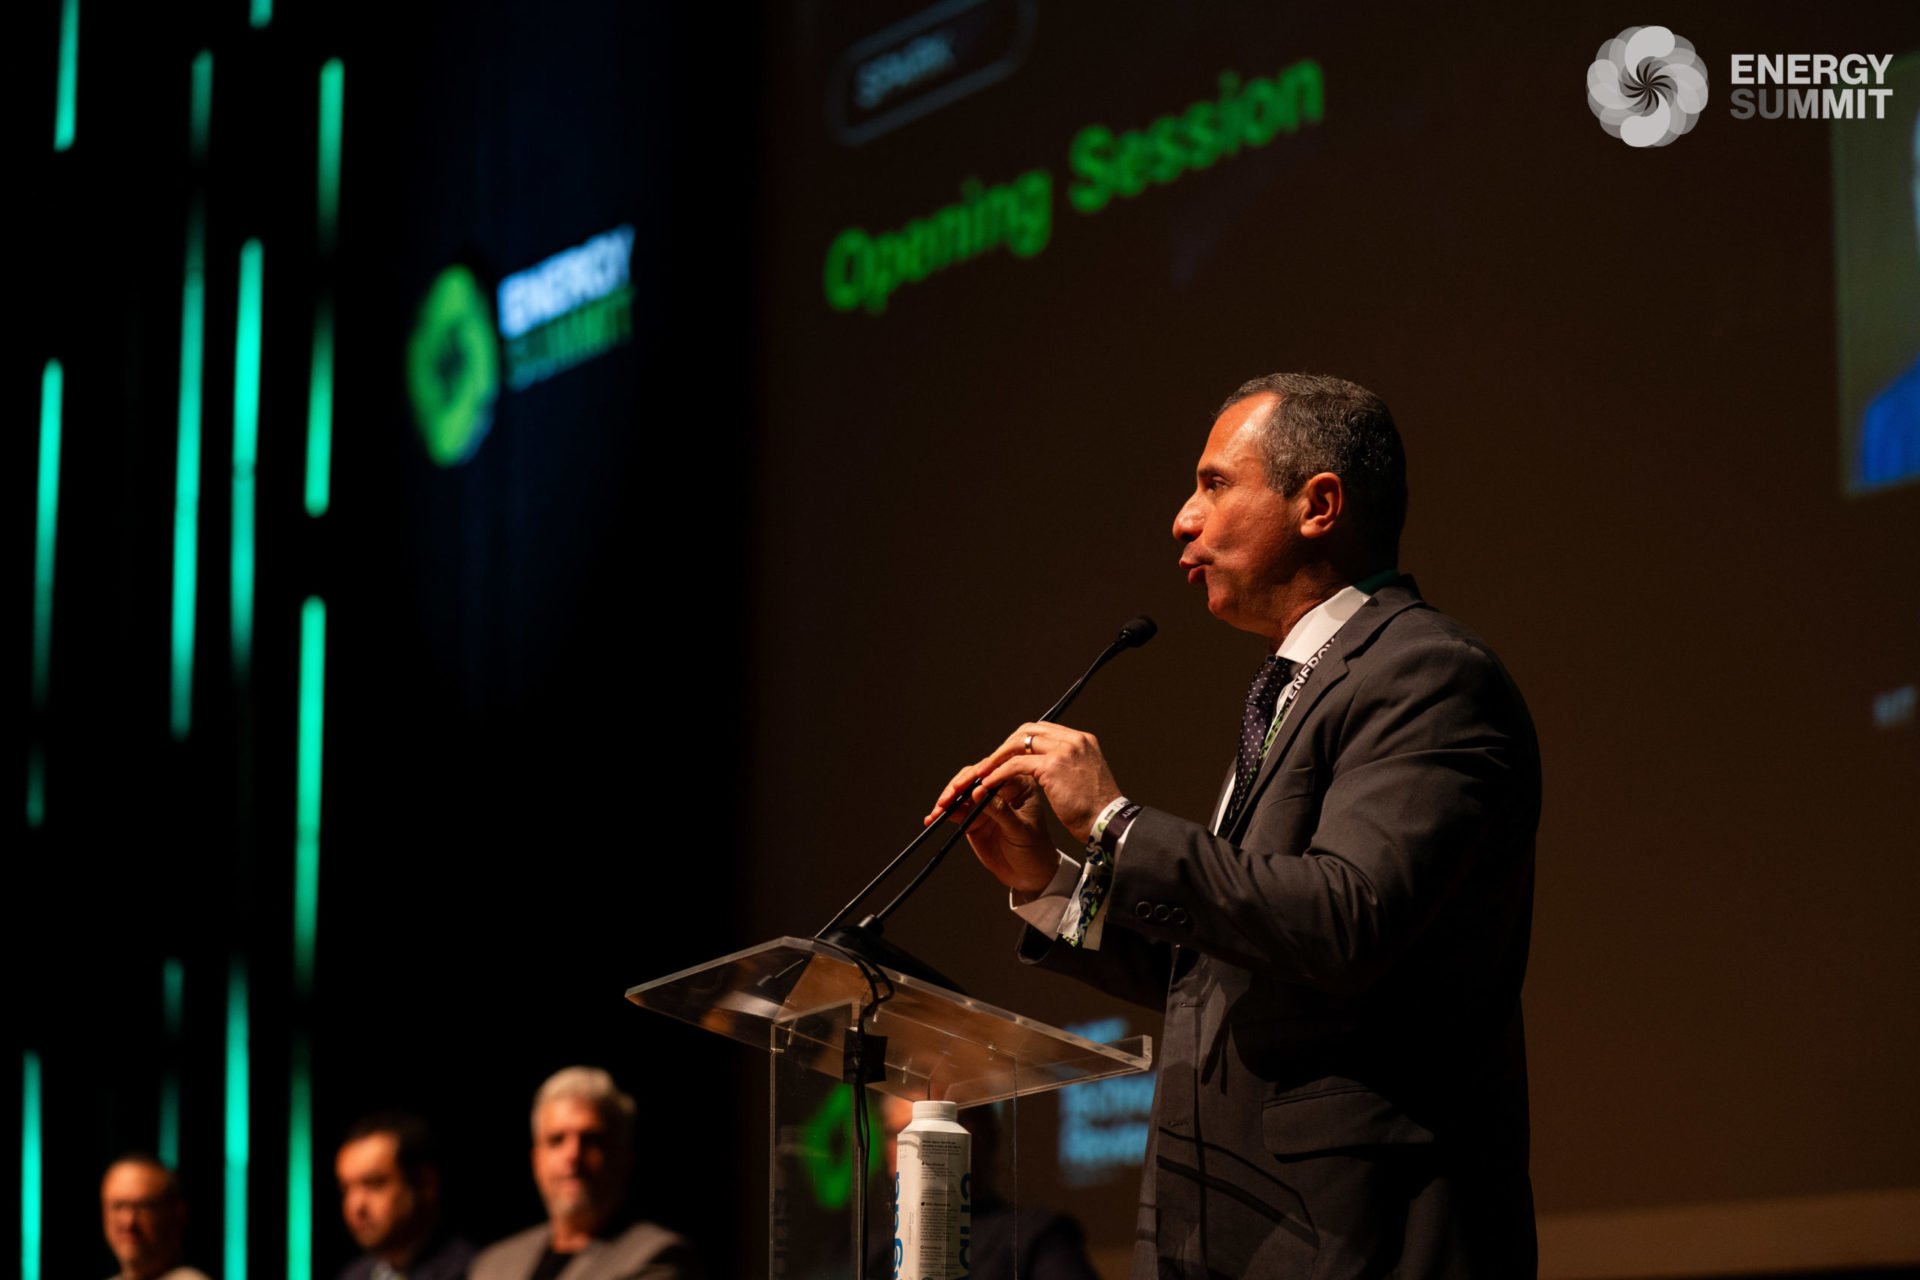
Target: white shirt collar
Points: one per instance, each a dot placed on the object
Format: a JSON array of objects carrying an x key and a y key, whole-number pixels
[
  {"x": 1308, "y": 634},
  {"x": 1319, "y": 624}
]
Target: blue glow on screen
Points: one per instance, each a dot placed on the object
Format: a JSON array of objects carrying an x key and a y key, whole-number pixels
[
  {"x": 1103, "y": 1124},
  {"x": 564, "y": 282}
]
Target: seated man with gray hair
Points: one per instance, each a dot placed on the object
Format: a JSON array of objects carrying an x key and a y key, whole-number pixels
[{"x": 582, "y": 1154}]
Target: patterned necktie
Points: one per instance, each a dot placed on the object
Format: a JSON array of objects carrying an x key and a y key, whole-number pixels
[{"x": 1254, "y": 722}]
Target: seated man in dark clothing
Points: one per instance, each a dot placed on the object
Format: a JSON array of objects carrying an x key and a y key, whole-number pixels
[{"x": 390, "y": 1199}]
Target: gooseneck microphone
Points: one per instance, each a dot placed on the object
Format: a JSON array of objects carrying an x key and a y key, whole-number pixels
[
  {"x": 1133, "y": 633},
  {"x": 864, "y": 939}
]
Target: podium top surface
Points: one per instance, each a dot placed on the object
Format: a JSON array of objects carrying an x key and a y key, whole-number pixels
[{"x": 798, "y": 997}]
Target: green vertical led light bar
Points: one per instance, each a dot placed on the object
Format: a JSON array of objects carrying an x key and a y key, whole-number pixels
[
  {"x": 306, "y": 928},
  {"x": 186, "y": 476},
  {"x": 300, "y": 1163},
  {"x": 320, "y": 410},
  {"x": 327, "y": 220},
  {"x": 46, "y": 525},
  {"x": 262, "y": 13},
  {"x": 306, "y": 839},
  {"x": 246, "y": 449},
  {"x": 173, "y": 1001},
  {"x": 66, "y": 94},
  {"x": 333, "y": 80},
  {"x": 30, "y": 1167},
  {"x": 238, "y": 1144}
]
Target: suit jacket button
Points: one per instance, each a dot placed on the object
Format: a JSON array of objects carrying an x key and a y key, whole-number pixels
[
  {"x": 1161, "y": 912},
  {"x": 1179, "y": 915},
  {"x": 1143, "y": 910}
]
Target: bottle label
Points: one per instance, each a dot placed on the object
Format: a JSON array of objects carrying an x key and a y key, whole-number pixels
[{"x": 932, "y": 1206}]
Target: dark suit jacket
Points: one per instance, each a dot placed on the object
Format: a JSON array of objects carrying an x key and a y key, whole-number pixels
[
  {"x": 1342, "y": 1084},
  {"x": 445, "y": 1258},
  {"x": 642, "y": 1251}
]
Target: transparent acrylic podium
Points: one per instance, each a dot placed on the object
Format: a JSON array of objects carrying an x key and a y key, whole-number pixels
[{"x": 795, "y": 1000}]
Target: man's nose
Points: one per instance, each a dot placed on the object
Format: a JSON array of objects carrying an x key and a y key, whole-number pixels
[{"x": 1186, "y": 522}]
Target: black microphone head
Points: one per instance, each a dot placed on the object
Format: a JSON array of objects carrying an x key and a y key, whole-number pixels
[{"x": 1137, "y": 631}]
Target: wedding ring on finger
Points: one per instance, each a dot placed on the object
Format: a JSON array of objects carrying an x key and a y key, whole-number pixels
[{"x": 1029, "y": 744}]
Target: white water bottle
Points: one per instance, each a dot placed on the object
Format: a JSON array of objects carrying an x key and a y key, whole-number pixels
[{"x": 933, "y": 1196}]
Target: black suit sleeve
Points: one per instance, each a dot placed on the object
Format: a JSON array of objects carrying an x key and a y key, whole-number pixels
[{"x": 1127, "y": 965}]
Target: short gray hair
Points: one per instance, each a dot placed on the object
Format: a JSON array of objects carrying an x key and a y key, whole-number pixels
[
  {"x": 594, "y": 1087},
  {"x": 1324, "y": 423}
]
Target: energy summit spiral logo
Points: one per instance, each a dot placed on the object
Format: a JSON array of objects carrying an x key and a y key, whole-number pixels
[{"x": 1647, "y": 86}]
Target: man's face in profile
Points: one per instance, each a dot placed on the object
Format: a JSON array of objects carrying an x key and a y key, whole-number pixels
[
  {"x": 142, "y": 1218},
  {"x": 1239, "y": 535},
  {"x": 577, "y": 1163},
  {"x": 380, "y": 1206}
]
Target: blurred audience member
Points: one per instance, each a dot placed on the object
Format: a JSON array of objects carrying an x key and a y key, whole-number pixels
[
  {"x": 582, "y": 1154},
  {"x": 144, "y": 1216},
  {"x": 390, "y": 1198}
]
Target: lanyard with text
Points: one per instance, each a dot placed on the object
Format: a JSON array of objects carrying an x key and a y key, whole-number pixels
[{"x": 1292, "y": 692}]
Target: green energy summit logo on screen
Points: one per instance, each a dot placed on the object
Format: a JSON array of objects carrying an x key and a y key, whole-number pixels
[
  {"x": 453, "y": 367},
  {"x": 561, "y": 312},
  {"x": 568, "y": 308}
]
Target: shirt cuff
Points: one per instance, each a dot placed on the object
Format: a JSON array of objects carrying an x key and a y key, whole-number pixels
[
  {"x": 1084, "y": 922},
  {"x": 1043, "y": 910}
]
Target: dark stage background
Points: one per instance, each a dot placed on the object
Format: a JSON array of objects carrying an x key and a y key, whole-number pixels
[{"x": 685, "y": 639}]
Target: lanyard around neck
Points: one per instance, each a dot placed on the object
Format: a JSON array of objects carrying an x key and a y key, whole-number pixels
[{"x": 1292, "y": 692}]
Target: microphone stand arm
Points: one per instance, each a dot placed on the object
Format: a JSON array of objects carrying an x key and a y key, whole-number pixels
[{"x": 865, "y": 938}]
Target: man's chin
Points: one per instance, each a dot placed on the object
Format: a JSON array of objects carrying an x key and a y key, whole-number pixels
[
  {"x": 1225, "y": 612},
  {"x": 1228, "y": 609},
  {"x": 574, "y": 1209}
]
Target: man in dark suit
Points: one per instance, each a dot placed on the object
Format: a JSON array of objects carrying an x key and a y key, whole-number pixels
[
  {"x": 1339, "y": 952},
  {"x": 582, "y": 1156},
  {"x": 390, "y": 1200}
]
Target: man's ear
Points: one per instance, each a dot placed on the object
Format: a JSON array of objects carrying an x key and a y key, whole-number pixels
[
  {"x": 1323, "y": 501},
  {"x": 429, "y": 1188}
]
